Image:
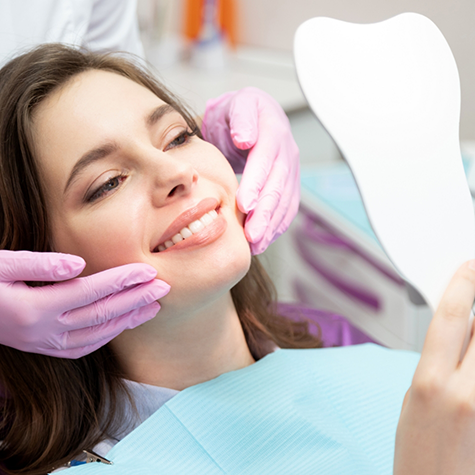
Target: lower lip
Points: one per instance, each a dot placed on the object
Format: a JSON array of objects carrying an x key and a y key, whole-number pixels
[{"x": 209, "y": 234}]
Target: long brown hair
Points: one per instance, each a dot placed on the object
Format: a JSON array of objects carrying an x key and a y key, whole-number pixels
[{"x": 51, "y": 408}]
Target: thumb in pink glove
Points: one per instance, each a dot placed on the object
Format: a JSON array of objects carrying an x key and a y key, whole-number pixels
[
  {"x": 253, "y": 132},
  {"x": 71, "y": 319}
]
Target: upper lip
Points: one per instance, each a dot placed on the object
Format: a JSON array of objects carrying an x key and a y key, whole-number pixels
[{"x": 185, "y": 218}]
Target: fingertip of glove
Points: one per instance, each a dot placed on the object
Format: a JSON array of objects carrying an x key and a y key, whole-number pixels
[
  {"x": 68, "y": 266},
  {"x": 154, "y": 307},
  {"x": 243, "y": 134},
  {"x": 254, "y": 233},
  {"x": 258, "y": 240},
  {"x": 246, "y": 201},
  {"x": 242, "y": 144},
  {"x": 140, "y": 316},
  {"x": 158, "y": 289},
  {"x": 257, "y": 249},
  {"x": 133, "y": 274},
  {"x": 244, "y": 139},
  {"x": 149, "y": 271},
  {"x": 148, "y": 312}
]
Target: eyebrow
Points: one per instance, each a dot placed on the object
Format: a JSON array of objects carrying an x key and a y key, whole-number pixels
[
  {"x": 108, "y": 148},
  {"x": 158, "y": 113}
]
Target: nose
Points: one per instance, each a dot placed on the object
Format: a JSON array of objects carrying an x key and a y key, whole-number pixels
[{"x": 173, "y": 178}]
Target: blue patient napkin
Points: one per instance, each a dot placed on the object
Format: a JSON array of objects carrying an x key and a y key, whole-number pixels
[{"x": 325, "y": 411}]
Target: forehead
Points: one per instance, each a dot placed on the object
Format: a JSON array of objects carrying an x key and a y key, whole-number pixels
[{"x": 91, "y": 97}]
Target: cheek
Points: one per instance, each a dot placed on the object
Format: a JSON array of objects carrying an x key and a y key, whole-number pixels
[
  {"x": 102, "y": 239},
  {"x": 213, "y": 165}
]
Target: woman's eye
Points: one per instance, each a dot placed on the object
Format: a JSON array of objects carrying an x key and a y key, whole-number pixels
[
  {"x": 180, "y": 140},
  {"x": 106, "y": 188}
]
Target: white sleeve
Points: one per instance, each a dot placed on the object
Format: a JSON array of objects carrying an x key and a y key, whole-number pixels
[
  {"x": 113, "y": 26},
  {"x": 25, "y": 24}
]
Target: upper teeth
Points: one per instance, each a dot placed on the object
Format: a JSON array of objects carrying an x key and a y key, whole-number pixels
[{"x": 192, "y": 228}]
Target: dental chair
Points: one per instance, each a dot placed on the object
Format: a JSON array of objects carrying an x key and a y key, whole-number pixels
[{"x": 333, "y": 329}]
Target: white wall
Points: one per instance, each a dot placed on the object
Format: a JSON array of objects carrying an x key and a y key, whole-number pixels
[{"x": 272, "y": 23}]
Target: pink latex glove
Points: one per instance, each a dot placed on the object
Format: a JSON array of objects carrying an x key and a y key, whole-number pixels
[
  {"x": 253, "y": 132},
  {"x": 71, "y": 319}
]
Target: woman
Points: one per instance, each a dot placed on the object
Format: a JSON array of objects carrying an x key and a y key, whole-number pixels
[
  {"x": 269, "y": 187},
  {"x": 99, "y": 161},
  {"x": 72, "y": 200}
]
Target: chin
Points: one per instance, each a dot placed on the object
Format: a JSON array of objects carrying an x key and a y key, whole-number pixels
[{"x": 200, "y": 283}]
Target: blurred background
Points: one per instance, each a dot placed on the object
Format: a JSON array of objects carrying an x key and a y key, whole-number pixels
[
  {"x": 269, "y": 26},
  {"x": 330, "y": 257}
]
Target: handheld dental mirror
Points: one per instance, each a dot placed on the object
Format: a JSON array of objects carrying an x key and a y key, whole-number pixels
[{"x": 388, "y": 93}]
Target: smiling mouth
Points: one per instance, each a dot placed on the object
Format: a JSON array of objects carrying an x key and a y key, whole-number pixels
[{"x": 193, "y": 228}]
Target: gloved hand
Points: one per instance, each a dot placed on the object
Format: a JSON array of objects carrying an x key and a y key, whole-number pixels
[
  {"x": 71, "y": 319},
  {"x": 253, "y": 132}
]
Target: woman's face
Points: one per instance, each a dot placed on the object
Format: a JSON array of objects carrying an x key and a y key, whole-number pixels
[{"x": 122, "y": 177}]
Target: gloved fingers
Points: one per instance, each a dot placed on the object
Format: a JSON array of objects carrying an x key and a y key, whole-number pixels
[
  {"x": 280, "y": 221},
  {"x": 287, "y": 221},
  {"x": 38, "y": 266},
  {"x": 77, "y": 343},
  {"x": 72, "y": 353},
  {"x": 260, "y": 246},
  {"x": 86, "y": 290},
  {"x": 268, "y": 239},
  {"x": 113, "y": 306},
  {"x": 244, "y": 119},
  {"x": 216, "y": 114},
  {"x": 272, "y": 197},
  {"x": 256, "y": 173}
]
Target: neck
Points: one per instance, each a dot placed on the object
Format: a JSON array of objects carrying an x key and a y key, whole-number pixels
[{"x": 185, "y": 349}]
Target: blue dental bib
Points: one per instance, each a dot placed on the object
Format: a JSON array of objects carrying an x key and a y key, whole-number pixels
[{"x": 324, "y": 411}]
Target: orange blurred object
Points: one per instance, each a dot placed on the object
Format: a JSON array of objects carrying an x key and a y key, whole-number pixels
[
  {"x": 226, "y": 19},
  {"x": 193, "y": 18}
]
